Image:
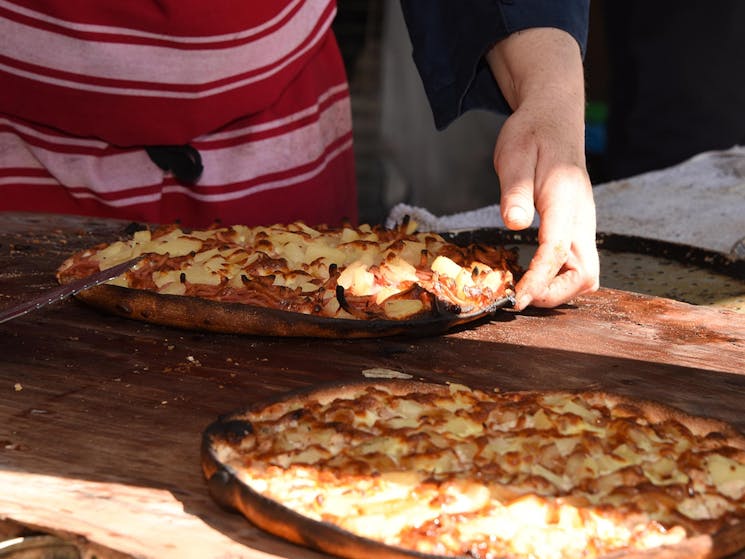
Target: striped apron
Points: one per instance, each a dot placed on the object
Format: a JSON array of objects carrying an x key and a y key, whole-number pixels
[{"x": 175, "y": 110}]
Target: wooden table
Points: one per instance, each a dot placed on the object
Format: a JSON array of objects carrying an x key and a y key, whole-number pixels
[{"x": 101, "y": 417}]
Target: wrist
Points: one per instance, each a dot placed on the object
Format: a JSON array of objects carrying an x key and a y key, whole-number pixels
[{"x": 539, "y": 65}]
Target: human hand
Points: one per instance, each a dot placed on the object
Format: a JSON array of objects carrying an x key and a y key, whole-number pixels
[
  {"x": 537, "y": 169},
  {"x": 540, "y": 161}
]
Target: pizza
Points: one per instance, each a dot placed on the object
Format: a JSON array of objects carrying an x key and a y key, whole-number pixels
[
  {"x": 292, "y": 279},
  {"x": 402, "y": 468}
]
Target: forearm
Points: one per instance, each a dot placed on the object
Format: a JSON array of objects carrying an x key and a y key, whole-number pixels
[{"x": 542, "y": 67}]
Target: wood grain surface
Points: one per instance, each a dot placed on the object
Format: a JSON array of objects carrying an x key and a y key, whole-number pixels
[{"x": 101, "y": 417}]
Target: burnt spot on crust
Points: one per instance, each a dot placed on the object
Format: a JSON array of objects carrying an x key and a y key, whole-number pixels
[
  {"x": 340, "y": 297},
  {"x": 236, "y": 430},
  {"x": 133, "y": 228}
]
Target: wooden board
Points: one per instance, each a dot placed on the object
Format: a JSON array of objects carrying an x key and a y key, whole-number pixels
[{"x": 101, "y": 417}]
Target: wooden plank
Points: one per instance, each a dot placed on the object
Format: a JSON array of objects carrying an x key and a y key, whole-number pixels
[{"x": 101, "y": 417}]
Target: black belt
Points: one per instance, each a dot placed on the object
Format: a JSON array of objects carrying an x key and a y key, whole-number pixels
[{"x": 183, "y": 161}]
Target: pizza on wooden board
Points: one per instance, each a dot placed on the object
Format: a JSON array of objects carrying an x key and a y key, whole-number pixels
[
  {"x": 401, "y": 468},
  {"x": 293, "y": 279}
]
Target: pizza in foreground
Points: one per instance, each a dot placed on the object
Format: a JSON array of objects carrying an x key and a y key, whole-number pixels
[
  {"x": 404, "y": 468},
  {"x": 364, "y": 273}
]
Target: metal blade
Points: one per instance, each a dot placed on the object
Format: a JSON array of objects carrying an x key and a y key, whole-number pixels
[{"x": 62, "y": 292}]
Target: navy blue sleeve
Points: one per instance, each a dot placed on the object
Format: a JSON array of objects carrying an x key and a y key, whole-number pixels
[{"x": 450, "y": 38}]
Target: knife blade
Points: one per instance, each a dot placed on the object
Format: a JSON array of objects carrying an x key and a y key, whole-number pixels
[{"x": 64, "y": 291}]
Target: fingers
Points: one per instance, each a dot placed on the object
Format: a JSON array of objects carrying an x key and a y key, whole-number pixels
[
  {"x": 566, "y": 261},
  {"x": 579, "y": 275},
  {"x": 538, "y": 284}
]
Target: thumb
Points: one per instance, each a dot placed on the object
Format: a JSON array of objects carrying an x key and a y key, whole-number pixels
[
  {"x": 517, "y": 206},
  {"x": 516, "y": 172}
]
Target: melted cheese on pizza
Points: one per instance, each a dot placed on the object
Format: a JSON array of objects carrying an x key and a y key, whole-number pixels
[
  {"x": 365, "y": 272},
  {"x": 467, "y": 472}
]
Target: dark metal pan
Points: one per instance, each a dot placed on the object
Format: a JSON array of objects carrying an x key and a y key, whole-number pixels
[{"x": 653, "y": 267}]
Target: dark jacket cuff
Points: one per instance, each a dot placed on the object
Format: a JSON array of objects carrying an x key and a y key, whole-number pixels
[{"x": 450, "y": 40}]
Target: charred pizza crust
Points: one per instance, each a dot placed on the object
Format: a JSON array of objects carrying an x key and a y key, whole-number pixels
[
  {"x": 293, "y": 280},
  {"x": 238, "y": 455},
  {"x": 194, "y": 313}
]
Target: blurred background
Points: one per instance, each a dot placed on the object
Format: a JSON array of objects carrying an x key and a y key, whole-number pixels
[
  {"x": 400, "y": 156},
  {"x": 663, "y": 84}
]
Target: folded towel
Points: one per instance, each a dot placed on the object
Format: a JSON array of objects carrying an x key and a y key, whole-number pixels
[{"x": 487, "y": 216}]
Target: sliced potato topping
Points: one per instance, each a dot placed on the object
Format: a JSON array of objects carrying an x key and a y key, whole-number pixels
[
  {"x": 382, "y": 273},
  {"x": 727, "y": 475},
  {"x": 401, "y": 309}
]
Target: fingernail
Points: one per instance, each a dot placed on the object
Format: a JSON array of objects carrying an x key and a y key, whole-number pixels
[
  {"x": 522, "y": 301},
  {"x": 517, "y": 214}
]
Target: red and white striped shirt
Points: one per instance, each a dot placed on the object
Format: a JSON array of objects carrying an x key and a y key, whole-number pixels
[{"x": 257, "y": 88}]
